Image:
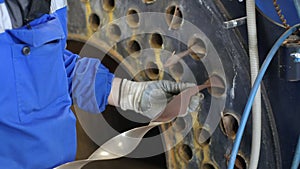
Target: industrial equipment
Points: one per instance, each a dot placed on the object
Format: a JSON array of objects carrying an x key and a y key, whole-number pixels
[{"x": 197, "y": 38}]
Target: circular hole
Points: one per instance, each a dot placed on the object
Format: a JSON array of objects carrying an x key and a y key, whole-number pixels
[
  {"x": 217, "y": 91},
  {"x": 108, "y": 5},
  {"x": 114, "y": 32},
  {"x": 203, "y": 136},
  {"x": 94, "y": 21},
  {"x": 240, "y": 162},
  {"x": 208, "y": 166},
  {"x": 156, "y": 40},
  {"x": 133, "y": 18},
  {"x": 152, "y": 71},
  {"x": 229, "y": 124},
  {"x": 185, "y": 152},
  {"x": 149, "y": 1},
  {"x": 179, "y": 124},
  {"x": 176, "y": 70},
  {"x": 174, "y": 17},
  {"x": 134, "y": 47},
  {"x": 198, "y": 48}
]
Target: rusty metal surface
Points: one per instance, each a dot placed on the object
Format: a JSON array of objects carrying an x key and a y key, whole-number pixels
[{"x": 206, "y": 15}]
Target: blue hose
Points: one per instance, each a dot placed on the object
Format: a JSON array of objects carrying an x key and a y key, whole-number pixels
[
  {"x": 296, "y": 160},
  {"x": 256, "y": 84}
]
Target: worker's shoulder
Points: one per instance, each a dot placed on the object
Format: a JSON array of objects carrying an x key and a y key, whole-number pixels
[{"x": 14, "y": 15}]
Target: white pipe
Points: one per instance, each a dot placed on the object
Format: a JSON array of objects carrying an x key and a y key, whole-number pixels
[{"x": 254, "y": 68}]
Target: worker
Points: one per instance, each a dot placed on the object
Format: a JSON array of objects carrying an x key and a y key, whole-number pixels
[{"x": 39, "y": 77}]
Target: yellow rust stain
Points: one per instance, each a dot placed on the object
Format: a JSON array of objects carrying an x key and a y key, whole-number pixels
[
  {"x": 171, "y": 154},
  {"x": 159, "y": 63},
  {"x": 179, "y": 160},
  {"x": 110, "y": 16},
  {"x": 133, "y": 33},
  {"x": 205, "y": 155},
  {"x": 197, "y": 147},
  {"x": 87, "y": 14},
  {"x": 202, "y": 152}
]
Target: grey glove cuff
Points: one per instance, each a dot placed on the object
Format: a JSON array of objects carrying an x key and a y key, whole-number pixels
[{"x": 131, "y": 94}]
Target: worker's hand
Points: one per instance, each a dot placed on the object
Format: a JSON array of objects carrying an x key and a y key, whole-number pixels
[{"x": 150, "y": 98}]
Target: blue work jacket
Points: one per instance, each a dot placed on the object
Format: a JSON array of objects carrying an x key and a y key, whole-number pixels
[{"x": 37, "y": 77}]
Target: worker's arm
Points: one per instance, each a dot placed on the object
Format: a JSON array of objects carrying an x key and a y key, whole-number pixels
[
  {"x": 89, "y": 82},
  {"x": 93, "y": 87},
  {"x": 148, "y": 98}
]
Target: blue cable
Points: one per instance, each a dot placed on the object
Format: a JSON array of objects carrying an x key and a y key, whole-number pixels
[
  {"x": 256, "y": 84},
  {"x": 296, "y": 159}
]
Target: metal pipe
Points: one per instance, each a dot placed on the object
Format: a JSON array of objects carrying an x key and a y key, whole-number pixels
[{"x": 254, "y": 68}]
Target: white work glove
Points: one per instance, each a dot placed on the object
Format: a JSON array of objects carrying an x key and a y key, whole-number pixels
[{"x": 150, "y": 98}]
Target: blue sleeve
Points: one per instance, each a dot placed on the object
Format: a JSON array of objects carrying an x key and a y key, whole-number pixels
[
  {"x": 103, "y": 84},
  {"x": 89, "y": 82},
  {"x": 70, "y": 62}
]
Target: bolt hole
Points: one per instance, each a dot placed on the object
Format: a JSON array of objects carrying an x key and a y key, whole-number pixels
[
  {"x": 217, "y": 91},
  {"x": 94, "y": 21},
  {"x": 156, "y": 40},
  {"x": 174, "y": 17},
  {"x": 229, "y": 124},
  {"x": 185, "y": 152},
  {"x": 208, "y": 166},
  {"x": 198, "y": 48},
  {"x": 133, "y": 18},
  {"x": 134, "y": 48},
  {"x": 179, "y": 124},
  {"x": 149, "y": 1},
  {"x": 203, "y": 136},
  {"x": 240, "y": 162},
  {"x": 114, "y": 32},
  {"x": 108, "y": 5},
  {"x": 176, "y": 70},
  {"x": 152, "y": 71}
]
